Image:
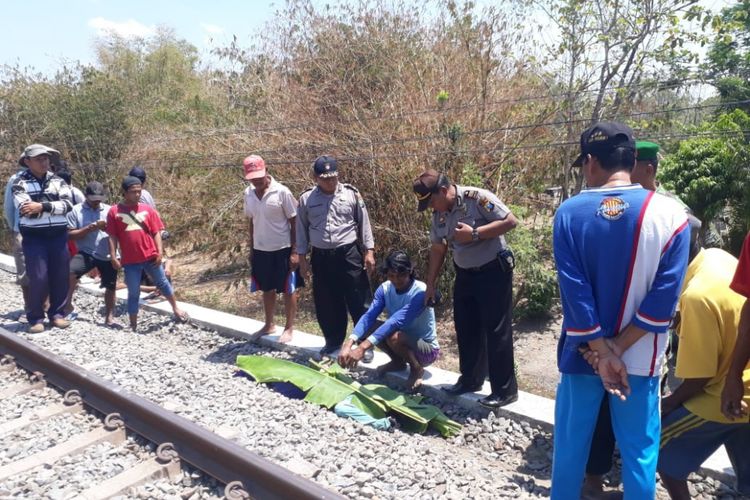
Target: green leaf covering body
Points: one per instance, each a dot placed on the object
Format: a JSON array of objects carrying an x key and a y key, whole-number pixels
[{"x": 329, "y": 385}]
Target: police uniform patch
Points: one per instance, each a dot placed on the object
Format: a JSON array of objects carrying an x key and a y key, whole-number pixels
[
  {"x": 486, "y": 204},
  {"x": 472, "y": 193},
  {"x": 612, "y": 208}
]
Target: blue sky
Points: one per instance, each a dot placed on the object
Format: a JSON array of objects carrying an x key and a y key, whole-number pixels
[
  {"x": 71, "y": 26},
  {"x": 44, "y": 34}
]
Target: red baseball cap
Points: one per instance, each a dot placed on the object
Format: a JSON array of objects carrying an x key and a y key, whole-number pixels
[{"x": 255, "y": 167}]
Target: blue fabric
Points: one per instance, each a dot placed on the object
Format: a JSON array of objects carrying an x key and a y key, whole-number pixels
[
  {"x": 406, "y": 313},
  {"x": 688, "y": 440},
  {"x": 95, "y": 243},
  {"x": 133, "y": 273},
  {"x": 636, "y": 425},
  {"x": 346, "y": 409},
  {"x": 9, "y": 207},
  {"x": 48, "y": 269},
  {"x": 594, "y": 258}
]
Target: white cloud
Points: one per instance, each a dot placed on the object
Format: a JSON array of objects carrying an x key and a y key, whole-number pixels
[
  {"x": 127, "y": 29},
  {"x": 212, "y": 28}
]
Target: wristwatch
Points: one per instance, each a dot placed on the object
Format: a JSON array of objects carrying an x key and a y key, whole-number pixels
[{"x": 474, "y": 234}]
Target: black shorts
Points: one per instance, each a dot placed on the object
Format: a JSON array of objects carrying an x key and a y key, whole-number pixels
[
  {"x": 270, "y": 270},
  {"x": 82, "y": 263}
]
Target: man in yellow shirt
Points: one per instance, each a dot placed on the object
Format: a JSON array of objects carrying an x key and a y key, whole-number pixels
[{"x": 693, "y": 426}]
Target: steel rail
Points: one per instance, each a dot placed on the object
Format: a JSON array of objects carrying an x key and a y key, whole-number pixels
[{"x": 246, "y": 474}]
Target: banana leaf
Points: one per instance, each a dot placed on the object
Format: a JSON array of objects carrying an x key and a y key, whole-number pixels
[
  {"x": 330, "y": 384},
  {"x": 321, "y": 388},
  {"x": 415, "y": 416}
]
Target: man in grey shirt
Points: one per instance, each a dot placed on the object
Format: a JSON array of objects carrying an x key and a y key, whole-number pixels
[
  {"x": 332, "y": 223},
  {"x": 86, "y": 223},
  {"x": 472, "y": 221}
]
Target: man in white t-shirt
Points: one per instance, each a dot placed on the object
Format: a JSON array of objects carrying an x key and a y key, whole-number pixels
[{"x": 272, "y": 211}]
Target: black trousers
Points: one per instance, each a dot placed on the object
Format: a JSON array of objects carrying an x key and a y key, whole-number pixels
[
  {"x": 482, "y": 312},
  {"x": 339, "y": 284},
  {"x": 602, "y": 444}
]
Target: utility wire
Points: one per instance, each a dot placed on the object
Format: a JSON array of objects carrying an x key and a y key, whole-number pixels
[
  {"x": 665, "y": 85},
  {"x": 164, "y": 162}
]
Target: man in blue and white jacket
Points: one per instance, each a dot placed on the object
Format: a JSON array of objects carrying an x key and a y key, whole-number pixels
[
  {"x": 621, "y": 253},
  {"x": 42, "y": 199},
  {"x": 408, "y": 336}
]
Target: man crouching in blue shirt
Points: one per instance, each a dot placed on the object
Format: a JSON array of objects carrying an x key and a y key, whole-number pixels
[
  {"x": 409, "y": 332},
  {"x": 621, "y": 253}
]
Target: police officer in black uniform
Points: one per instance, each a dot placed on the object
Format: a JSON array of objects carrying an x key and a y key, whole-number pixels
[
  {"x": 333, "y": 224},
  {"x": 472, "y": 221}
]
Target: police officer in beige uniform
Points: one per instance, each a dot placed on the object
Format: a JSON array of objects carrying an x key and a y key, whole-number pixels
[
  {"x": 332, "y": 223},
  {"x": 472, "y": 221}
]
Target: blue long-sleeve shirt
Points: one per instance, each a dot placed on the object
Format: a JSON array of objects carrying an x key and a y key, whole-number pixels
[
  {"x": 406, "y": 313},
  {"x": 621, "y": 255}
]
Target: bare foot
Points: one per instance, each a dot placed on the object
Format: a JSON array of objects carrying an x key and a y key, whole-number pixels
[
  {"x": 391, "y": 366},
  {"x": 286, "y": 336},
  {"x": 415, "y": 378},
  {"x": 266, "y": 330}
]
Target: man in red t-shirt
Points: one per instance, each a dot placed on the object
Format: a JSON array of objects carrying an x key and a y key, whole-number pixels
[
  {"x": 731, "y": 397},
  {"x": 136, "y": 228}
]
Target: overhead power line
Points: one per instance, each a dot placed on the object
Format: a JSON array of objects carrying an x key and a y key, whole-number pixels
[
  {"x": 665, "y": 85},
  {"x": 164, "y": 162}
]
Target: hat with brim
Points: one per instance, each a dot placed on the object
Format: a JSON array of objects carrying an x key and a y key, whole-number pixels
[
  {"x": 37, "y": 150},
  {"x": 95, "y": 191},
  {"x": 602, "y": 138},
  {"x": 424, "y": 187},
  {"x": 255, "y": 167},
  {"x": 325, "y": 167}
]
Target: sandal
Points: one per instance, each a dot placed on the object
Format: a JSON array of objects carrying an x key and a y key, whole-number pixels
[{"x": 182, "y": 319}]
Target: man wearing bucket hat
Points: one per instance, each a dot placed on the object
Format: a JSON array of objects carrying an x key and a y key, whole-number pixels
[
  {"x": 272, "y": 211},
  {"x": 42, "y": 200},
  {"x": 333, "y": 225},
  {"x": 86, "y": 226}
]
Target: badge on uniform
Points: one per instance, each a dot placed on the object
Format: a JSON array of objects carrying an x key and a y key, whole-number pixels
[
  {"x": 486, "y": 204},
  {"x": 612, "y": 208}
]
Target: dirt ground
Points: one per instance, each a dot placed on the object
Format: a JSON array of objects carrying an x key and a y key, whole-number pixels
[{"x": 197, "y": 281}]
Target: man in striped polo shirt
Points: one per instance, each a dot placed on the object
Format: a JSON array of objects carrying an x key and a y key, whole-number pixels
[{"x": 43, "y": 199}]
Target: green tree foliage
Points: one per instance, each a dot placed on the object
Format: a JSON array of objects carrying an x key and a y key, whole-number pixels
[
  {"x": 729, "y": 55},
  {"x": 161, "y": 78},
  {"x": 80, "y": 110},
  {"x": 711, "y": 172},
  {"x": 608, "y": 57}
]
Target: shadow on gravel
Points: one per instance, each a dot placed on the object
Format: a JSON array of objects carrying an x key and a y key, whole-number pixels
[
  {"x": 538, "y": 458},
  {"x": 228, "y": 352}
]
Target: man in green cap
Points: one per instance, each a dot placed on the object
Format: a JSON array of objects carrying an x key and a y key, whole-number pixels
[{"x": 644, "y": 173}]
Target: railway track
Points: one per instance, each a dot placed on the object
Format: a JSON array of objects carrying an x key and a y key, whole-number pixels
[{"x": 98, "y": 421}]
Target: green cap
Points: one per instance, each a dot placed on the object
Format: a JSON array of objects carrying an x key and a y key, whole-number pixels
[{"x": 646, "y": 150}]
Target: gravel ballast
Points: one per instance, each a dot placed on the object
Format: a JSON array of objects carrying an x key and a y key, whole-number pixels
[{"x": 191, "y": 371}]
